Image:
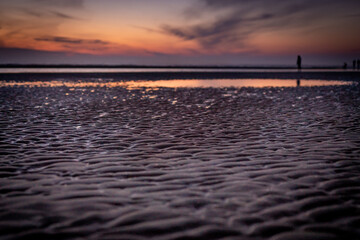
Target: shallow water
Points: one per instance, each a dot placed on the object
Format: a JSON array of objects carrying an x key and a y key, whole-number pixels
[
  {"x": 189, "y": 83},
  {"x": 126, "y": 70},
  {"x": 96, "y": 162}
]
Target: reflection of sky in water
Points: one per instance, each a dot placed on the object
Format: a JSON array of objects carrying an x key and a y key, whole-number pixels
[
  {"x": 126, "y": 70},
  {"x": 237, "y": 83}
]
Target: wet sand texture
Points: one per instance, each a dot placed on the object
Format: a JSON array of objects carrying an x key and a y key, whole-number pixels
[{"x": 98, "y": 163}]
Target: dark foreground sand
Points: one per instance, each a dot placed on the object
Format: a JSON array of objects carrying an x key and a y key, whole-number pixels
[{"x": 98, "y": 163}]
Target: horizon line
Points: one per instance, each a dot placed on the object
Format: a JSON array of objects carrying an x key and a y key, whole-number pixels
[{"x": 218, "y": 66}]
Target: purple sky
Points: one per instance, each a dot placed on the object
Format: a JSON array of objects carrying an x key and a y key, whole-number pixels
[{"x": 188, "y": 32}]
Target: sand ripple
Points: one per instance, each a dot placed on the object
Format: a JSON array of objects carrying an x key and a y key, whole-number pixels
[{"x": 97, "y": 163}]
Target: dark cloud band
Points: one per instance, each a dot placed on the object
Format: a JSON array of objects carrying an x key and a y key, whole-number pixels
[
  {"x": 71, "y": 40},
  {"x": 236, "y": 21}
]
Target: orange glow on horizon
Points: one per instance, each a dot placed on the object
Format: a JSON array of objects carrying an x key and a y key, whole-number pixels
[
  {"x": 133, "y": 28},
  {"x": 190, "y": 83}
]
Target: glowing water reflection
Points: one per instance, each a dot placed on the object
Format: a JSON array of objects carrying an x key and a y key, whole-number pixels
[{"x": 223, "y": 83}]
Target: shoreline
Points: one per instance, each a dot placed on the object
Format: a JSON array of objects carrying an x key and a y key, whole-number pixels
[
  {"x": 164, "y": 66},
  {"x": 324, "y": 75}
]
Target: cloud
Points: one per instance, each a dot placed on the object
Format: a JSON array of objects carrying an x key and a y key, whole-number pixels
[
  {"x": 88, "y": 46},
  {"x": 232, "y": 28},
  {"x": 60, "y": 3},
  {"x": 232, "y": 23},
  {"x": 259, "y": 5},
  {"x": 55, "y": 14},
  {"x": 59, "y": 39},
  {"x": 151, "y": 30},
  {"x": 220, "y": 26},
  {"x": 25, "y": 20},
  {"x": 63, "y": 15}
]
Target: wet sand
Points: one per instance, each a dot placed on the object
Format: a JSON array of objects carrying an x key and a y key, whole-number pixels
[
  {"x": 123, "y": 76},
  {"x": 199, "y": 163}
]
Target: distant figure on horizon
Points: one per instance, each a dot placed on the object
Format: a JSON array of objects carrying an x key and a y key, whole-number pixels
[
  {"x": 345, "y": 66},
  {"x": 358, "y": 64},
  {"x": 298, "y": 82},
  {"x": 354, "y": 64},
  {"x": 298, "y": 62}
]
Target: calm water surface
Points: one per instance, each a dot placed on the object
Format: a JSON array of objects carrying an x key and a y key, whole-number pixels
[
  {"x": 191, "y": 83},
  {"x": 125, "y": 70}
]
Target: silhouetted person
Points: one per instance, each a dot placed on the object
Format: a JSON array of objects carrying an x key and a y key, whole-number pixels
[
  {"x": 298, "y": 82},
  {"x": 354, "y": 64},
  {"x": 345, "y": 66},
  {"x": 358, "y": 64},
  {"x": 298, "y": 62}
]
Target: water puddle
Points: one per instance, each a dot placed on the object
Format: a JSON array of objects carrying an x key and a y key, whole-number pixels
[
  {"x": 195, "y": 83},
  {"x": 237, "y": 83}
]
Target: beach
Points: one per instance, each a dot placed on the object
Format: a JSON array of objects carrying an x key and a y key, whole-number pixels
[{"x": 279, "y": 163}]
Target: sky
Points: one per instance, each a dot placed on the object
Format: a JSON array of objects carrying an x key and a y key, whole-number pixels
[{"x": 174, "y": 32}]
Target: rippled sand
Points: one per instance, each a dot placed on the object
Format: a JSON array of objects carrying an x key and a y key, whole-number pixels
[{"x": 112, "y": 163}]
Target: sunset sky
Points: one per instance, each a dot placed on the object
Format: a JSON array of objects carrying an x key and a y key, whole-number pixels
[{"x": 170, "y": 32}]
